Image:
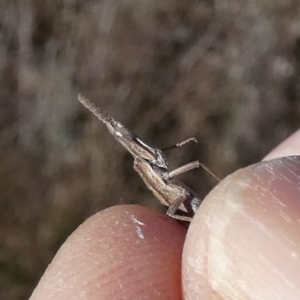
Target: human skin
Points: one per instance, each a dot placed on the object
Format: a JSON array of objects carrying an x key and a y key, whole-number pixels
[{"x": 243, "y": 243}]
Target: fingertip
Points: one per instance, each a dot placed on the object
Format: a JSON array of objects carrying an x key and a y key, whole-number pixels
[
  {"x": 124, "y": 252},
  {"x": 291, "y": 146},
  {"x": 244, "y": 240}
]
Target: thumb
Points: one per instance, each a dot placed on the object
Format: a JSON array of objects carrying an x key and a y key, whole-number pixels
[{"x": 244, "y": 241}]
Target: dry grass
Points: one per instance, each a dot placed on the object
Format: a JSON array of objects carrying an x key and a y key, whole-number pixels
[{"x": 226, "y": 72}]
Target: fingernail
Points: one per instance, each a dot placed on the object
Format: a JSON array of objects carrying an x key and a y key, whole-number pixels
[{"x": 245, "y": 241}]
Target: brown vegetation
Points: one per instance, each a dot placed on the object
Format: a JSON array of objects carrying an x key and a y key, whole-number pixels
[{"x": 226, "y": 72}]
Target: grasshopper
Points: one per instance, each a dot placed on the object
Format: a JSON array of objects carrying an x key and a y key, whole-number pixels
[{"x": 151, "y": 165}]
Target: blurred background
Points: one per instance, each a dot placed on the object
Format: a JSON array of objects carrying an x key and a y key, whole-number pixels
[{"x": 225, "y": 72}]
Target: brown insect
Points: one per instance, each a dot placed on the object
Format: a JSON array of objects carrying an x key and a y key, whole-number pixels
[{"x": 151, "y": 164}]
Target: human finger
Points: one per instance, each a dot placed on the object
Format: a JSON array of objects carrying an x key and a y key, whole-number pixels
[
  {"x": 244, "y": 241},
  {"x": 124, "y": 252}
]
